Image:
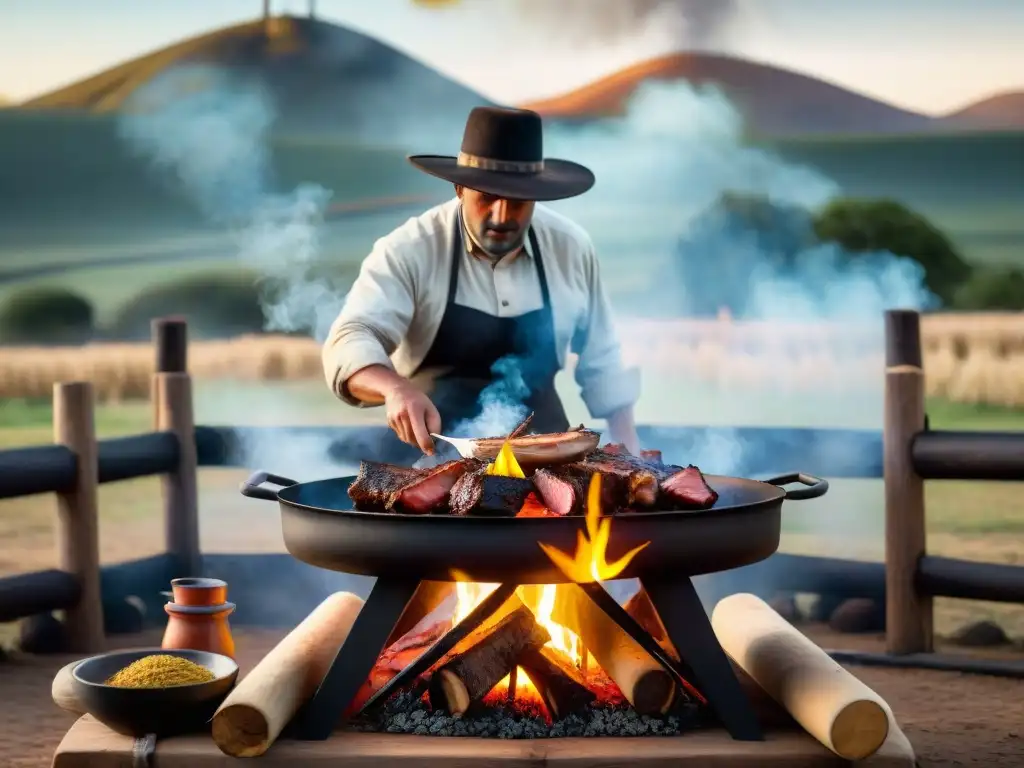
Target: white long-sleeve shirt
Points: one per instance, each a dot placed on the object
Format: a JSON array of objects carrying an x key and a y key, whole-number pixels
[{"x": 395, "y": 306}]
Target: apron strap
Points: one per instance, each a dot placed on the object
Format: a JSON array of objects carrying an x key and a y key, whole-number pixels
[
  {"x": 539, "y": 261},
  {"x": 453, "y": 281}
]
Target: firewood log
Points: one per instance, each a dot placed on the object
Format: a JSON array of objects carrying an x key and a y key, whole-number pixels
[
  {"x": 643, "y": 681},
  {"x": 257, "y": 710},
  {"x": 471, "y": 674},
  {"x": 559, "y": 683},
  {"x": 830, "y": 703},
  {"x": 640, "y": 607}
]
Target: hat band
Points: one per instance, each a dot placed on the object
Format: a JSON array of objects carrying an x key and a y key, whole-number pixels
[{"x": 501, "y": 166}]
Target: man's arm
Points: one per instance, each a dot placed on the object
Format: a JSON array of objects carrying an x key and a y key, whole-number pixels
[
  {"x": 607, "y": 387},
  {"x": 376, "y": 316}
]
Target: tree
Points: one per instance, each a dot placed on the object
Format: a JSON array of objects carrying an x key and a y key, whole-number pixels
[
  {"x": 872, "y": 226},
  {"x": 993, "y": 289},
  {"x": 46, "y": 316}
]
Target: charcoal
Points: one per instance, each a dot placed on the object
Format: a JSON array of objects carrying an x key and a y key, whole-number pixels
[{"x": 406, "y": 713}]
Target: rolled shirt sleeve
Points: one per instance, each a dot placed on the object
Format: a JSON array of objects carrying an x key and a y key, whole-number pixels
[
  {"x": 606, "y": 386},
  {"x": 373, "y": 322}
]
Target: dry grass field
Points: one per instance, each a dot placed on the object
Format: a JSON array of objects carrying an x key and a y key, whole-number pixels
[
  {"x": 734, "y": 374},
  {"x": 969, "y": 358}
]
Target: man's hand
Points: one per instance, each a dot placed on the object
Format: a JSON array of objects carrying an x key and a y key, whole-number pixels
[{"x": 412, "y": 416}]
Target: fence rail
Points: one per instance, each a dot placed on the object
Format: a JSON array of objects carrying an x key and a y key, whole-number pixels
[{"x": 904, "y": 454}]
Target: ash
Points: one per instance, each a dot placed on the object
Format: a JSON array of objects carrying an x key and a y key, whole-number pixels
[{"x": 405, "y": 713}]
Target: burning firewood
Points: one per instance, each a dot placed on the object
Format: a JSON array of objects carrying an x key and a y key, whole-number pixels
[
  {"x": 470, "y": 675},
  {"x": 559, "y": 683},
  {"x": 643, "y": 681},
  {"x": 640, "y": 607}
]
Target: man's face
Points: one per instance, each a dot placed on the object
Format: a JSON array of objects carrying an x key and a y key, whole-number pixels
[{"x": 499, "y": 225}]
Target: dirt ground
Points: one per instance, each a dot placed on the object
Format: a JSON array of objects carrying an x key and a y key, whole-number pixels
[{"x": 951, "y": 719}]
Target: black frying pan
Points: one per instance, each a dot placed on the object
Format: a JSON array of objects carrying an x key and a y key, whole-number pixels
[{"x": 321, "y": 528}]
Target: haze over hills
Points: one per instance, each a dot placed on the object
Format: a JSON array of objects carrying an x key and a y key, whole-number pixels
[
  {"x": 324, "y": 78},
  {"x": 328, "y": 79},
  {"x": 773, "y": 101},
  {"x": 1002, "y": 112}
]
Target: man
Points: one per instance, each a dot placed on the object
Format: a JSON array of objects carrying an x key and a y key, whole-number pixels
[{"x": 485, "y": 286}]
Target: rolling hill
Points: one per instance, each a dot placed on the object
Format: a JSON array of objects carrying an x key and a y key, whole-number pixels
[
  {"x": 1002, "y": 112},
  {"x": 774, "y": 102},
  {"x": 323, "y": 77}
]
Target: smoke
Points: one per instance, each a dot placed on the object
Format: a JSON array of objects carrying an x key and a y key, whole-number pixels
[
  {"x": 674, "y": 154},
  {"x": 209, "y": 132},
  {"x": 693, "y": 24}
]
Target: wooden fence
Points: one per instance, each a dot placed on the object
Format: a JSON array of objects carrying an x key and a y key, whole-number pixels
[{"x": 905, "y": 454}]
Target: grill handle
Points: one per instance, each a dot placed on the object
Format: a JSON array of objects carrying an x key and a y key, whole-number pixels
[
  {"x": 253, "y": 487},
  {"x": 814, "y": 488}
]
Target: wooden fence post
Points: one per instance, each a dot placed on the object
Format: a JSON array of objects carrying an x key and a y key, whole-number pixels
[
  {"x": 181, "y": 495},
  {"x": 78, "y": 513},
  {"x": 170, "y": 345},
  {"x": 908, "y": 614}
]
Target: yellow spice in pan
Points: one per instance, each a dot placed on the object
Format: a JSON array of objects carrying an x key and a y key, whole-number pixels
[{"x": 160, "y": 671}]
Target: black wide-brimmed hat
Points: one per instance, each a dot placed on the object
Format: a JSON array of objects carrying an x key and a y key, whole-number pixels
[{"x": 503, "y": 155}]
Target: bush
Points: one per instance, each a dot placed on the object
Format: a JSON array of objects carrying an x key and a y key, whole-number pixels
[
  {"x": 216, "y": 305},
  {"x": 993, "y": 289},
  {"x": 865, "y": 226},
  {"x": 46, "y": 316}
]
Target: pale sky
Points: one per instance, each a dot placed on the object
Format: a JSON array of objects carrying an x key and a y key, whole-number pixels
[{"x": 927, "y": 55}]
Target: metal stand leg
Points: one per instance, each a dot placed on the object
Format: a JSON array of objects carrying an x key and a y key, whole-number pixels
[
  {"x": 355, "y": 658},
  {"x": 690, "y": 631}
]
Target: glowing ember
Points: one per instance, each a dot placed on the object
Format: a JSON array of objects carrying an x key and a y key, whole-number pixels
[{"x": 589, "y": 563}]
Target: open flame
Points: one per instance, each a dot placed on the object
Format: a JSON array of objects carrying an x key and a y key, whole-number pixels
[
  {"x": 590, "y": 561},
  {"x": 587, "y": 564}
]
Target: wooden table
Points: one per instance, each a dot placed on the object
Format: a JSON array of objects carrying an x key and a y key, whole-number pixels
[{"x": 90, "y": 744}]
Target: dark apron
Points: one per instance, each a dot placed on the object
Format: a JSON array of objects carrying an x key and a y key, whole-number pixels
[{"x": 468, "y": 345}]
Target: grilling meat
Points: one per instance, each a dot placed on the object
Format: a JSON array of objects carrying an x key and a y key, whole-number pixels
[
  {"x": 638, "y": 477},
  {"x": 540, "y": 450},
  {"x": 477, "y": 493},
  {"x": 384, "y": 487},
  {"x": 463, "y": 487},
  {"x": 674, "y": 486},
  {"x": 688, "y": 488},
  {"x": 563, "y": 488}
]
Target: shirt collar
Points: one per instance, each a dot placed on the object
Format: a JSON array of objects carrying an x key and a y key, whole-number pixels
[{"x": 473, "y": 250}]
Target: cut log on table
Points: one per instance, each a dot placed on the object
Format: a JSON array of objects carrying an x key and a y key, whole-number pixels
[
  {"x": 829, "y": 702},
  {"x": 257, "y": 710},
  {"x": 63, "y": 690},
  {"x": 643, "y": 681},
  {"x": 557, "y": 680},
  {"x": 470, "y": 675}
]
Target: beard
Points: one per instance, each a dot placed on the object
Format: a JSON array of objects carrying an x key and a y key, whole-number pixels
[{"x": 498, "y": 246}]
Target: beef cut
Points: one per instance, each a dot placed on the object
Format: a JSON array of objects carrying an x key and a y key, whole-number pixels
[
  {"x": 635, "y": 479},
  {"x": 477, "y": 493},
  {"x": 652, "y": 456},
  {"x": 688, "y": 488},
  {"x": 563, "y": 488},
  {"x": 387, "y": 487},
  {"x": 674, "y": 487}
]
